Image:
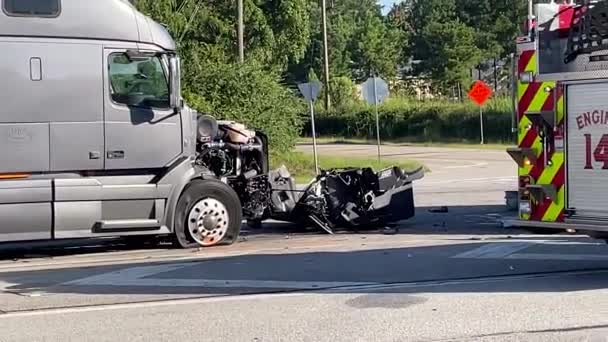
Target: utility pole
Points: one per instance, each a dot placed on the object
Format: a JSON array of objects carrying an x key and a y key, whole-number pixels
[
  {"x": 325, "y": 54},
  {"x": 241, "y": 31}
]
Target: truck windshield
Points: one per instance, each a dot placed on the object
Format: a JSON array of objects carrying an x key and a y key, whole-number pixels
[{"x": 141, "y": 82}]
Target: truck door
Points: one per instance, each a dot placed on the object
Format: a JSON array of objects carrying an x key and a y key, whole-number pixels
[
  {"x": 587, "y": 150},
  {"x": 141, "y": 130},
  {"x": 51, "y": 120}
]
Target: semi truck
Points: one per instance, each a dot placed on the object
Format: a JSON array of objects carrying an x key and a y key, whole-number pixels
[
  {"x": 96, "y": 141},
  {"x": 562, "y": 118},
  {"x": 95, "y": 138}
]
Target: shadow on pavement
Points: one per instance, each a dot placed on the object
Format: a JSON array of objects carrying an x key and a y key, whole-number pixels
[
  {"x": 463, "y": 267},
  {"x": 457, "y": 220},
  {"x": 451, "y": 220},
  {"x": 45, "y": 249}
]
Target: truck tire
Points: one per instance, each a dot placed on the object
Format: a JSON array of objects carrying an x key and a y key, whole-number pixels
[{"x": 208, "y": 214}]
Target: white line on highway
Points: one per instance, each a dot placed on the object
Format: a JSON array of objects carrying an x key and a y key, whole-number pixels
[
  {"x": 493, "y": 251},
  {"x": 228, "y": 283},
  {"x": 466, "y": 166},
  {"x": 561, "y": 257},
  {"x": 469, "y": 180},
  {"x": 4, "y": 286},
  {"x": 142, "y": 277},
  {"x": 483, "y": 280},
  {"x": 509, "y": 250},
  {"x": 344, "y": 290},
  {"x": 563, "y": 242}
]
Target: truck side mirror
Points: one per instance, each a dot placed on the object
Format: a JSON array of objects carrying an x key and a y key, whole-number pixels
[{"x": 175, "y": 82}]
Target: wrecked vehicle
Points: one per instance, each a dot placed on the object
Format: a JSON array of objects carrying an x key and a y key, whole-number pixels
[
  {"x": 341, "y": 198},
  {"x": 107, "y": 148}
]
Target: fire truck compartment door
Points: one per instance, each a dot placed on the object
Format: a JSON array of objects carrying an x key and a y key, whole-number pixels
[{"x": 587, "y": 149}]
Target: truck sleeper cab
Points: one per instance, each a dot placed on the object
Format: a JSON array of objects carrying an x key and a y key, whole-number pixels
[{"x": 94, "y": 138}]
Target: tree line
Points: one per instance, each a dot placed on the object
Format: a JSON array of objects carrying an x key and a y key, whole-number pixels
[{"x": 437, "y": 40}]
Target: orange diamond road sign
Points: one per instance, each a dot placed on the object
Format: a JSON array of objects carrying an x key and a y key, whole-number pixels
[{"x": 480, "y": 93}]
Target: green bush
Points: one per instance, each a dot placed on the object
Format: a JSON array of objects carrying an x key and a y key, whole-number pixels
[
  {"x": 251, "y": 95},
  {"x": 404, "y": 119},
  {"x": 342, "y": 92}
]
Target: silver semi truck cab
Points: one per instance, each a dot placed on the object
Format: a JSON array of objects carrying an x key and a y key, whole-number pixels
[{"x": 94, "y": 138}]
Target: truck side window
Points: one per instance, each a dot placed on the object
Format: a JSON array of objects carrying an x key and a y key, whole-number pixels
[
  {"x": 139, "y": 83},
  {"x": 31, "y": 8}
]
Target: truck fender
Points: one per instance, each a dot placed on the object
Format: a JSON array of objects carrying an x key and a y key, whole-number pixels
[{"x": 180, "y": 177}]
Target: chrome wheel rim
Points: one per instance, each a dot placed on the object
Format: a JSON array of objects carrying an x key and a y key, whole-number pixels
[{"x": 208, "y": 222}]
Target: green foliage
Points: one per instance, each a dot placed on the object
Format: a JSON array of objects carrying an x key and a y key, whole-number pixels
[
  {"x": 276, "y": 31},
  {"x": 451, "y": 37},
  {"x": 451, "y": 51},
  {"x": 497, "y": 22},
  {"x": 376, "y": 48},
  {"x": 276, "y": 34},
  {"x": 362, "y": 42},
  {"x": 249, "y": 94},
  {"x": 342, "y": 92},
  {"x": 283, "y": 46},
  {"x": 404, "y": 119}
]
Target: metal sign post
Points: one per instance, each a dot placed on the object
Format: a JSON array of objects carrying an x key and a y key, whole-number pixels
[
  {"x": 375, "y": 90},
  {"x": 314, "y": 136},
  {"x": 481, "y": 123},
  {"x": 377, "y": 116},
  {"x": 311, "y": 91}
]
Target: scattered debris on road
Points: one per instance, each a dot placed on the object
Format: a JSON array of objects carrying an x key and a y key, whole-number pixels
[{"x": 440, "y": 210}]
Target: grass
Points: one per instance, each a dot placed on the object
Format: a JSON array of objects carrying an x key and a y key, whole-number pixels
[
  {"x": 302, "y": 165},
  {"x": 404, "y": 142}
]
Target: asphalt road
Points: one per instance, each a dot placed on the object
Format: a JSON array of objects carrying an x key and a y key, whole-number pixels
[
  {"x": 477, "y": 176},
  {"x": 444, "y": 276}
]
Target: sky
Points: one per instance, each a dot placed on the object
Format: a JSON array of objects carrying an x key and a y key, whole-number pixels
[{"x": 387, "y": 4}]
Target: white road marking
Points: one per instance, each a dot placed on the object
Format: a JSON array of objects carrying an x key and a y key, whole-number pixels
[
  {"x": 469, "y": 180},
  {"x": 142, "y": 276},
  {"x": 126, "y": 275},
  {"x": 232, "y": 298},
  {"x": 560, "y": 257},
  {"x": 483, "y": 280},
  {"x": 494, "y": 250},
  {"x": 5, "y": 286},
  {"x": 509, "y": 250},
  {"x": 466, "y": 166},
  {"x": 562, "y": 242}
]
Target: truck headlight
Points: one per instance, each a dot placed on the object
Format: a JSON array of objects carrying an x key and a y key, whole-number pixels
[{"x": 525, "y": 207}]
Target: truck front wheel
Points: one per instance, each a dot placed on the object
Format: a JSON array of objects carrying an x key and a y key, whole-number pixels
[{"x": 208, "y": 214}]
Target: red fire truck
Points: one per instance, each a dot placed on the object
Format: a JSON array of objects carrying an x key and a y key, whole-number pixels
[{"x": 562, "y": 118}]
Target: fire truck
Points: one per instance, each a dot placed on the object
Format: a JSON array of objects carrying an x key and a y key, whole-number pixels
[{"x": 562, "y": 118}]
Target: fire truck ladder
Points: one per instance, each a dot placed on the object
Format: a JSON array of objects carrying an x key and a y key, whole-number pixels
[{"x": 589, "y": 30}]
